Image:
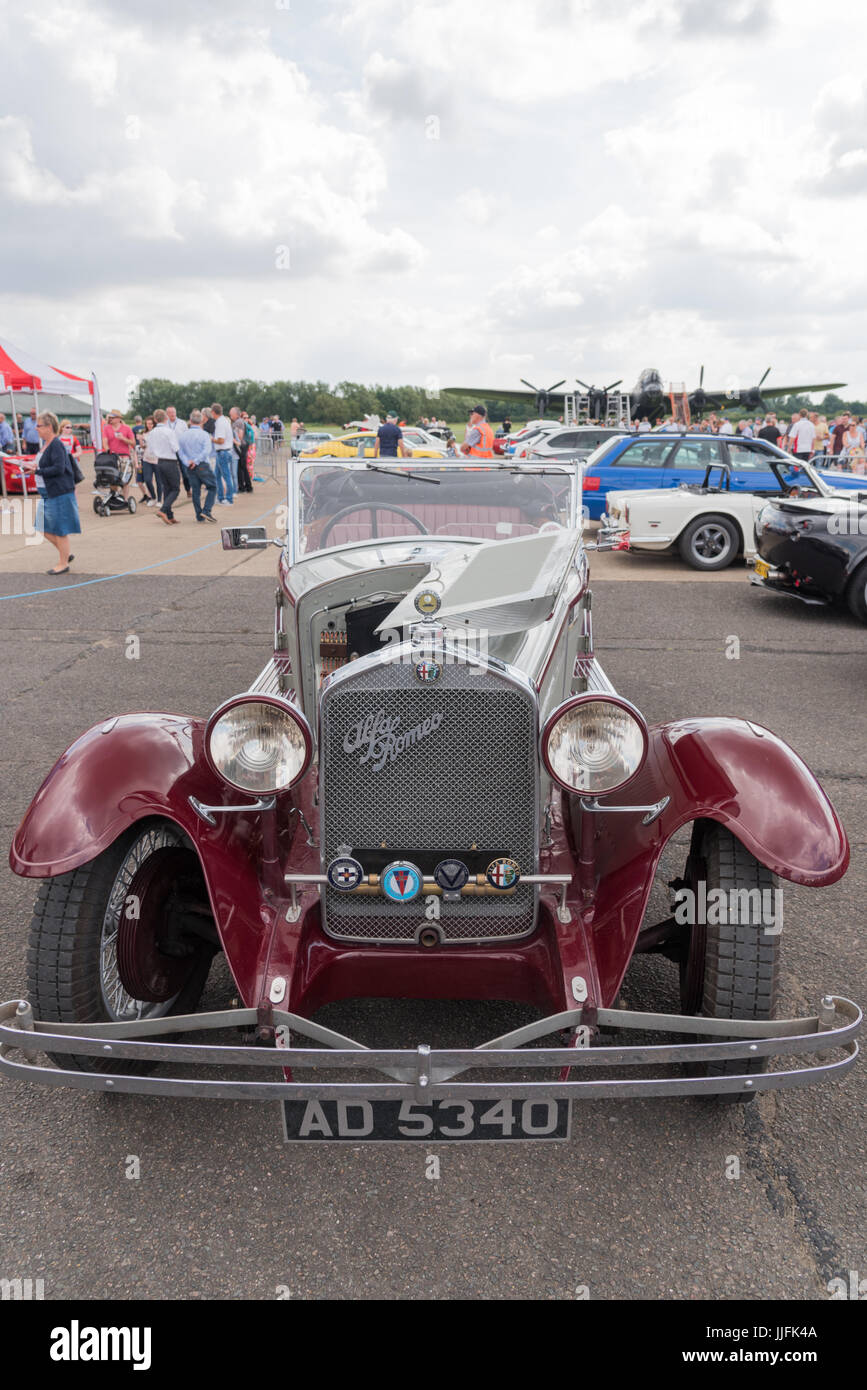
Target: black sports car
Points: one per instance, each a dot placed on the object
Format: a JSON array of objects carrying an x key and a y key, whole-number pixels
[{"x": 815, "y": 549}]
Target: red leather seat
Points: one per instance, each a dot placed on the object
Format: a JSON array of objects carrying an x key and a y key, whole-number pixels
[{"x": 440, "y": 520}]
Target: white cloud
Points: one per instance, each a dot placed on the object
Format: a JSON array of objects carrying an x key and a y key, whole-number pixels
[
  {"x": 476, "y": 207},
  {"x": 222, "y": 152},
  {"x": 222, "y": 187},
  {"x": 515, "y": 50}
]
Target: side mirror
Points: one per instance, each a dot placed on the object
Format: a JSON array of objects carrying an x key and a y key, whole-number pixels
[{"x": 244, "y": 537}]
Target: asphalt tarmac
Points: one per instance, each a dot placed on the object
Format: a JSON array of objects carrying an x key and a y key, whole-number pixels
[{"x": 637, "y": 1205}]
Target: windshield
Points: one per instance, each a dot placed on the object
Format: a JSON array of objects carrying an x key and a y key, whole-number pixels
[
  {"x": 604, "y": 448},
  {"x": 338, "y": 503}
]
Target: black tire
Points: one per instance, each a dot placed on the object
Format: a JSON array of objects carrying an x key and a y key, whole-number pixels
[
  {"x": 731, "y": 968},
  {"x": 710, "y": 543},
  {"x": 856, "y": 594},
  {"x": 68, "y": 964},
  {"x": 97, "y": 505},
  {"x": 132, "y": 505}
]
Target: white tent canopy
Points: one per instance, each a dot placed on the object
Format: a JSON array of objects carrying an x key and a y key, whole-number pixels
[{"x": 21, "y": 371}]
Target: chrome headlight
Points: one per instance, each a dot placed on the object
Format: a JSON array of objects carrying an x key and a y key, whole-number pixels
[
  {"x": 259, "y": 744},
  {"x": 594, "y": 744}
]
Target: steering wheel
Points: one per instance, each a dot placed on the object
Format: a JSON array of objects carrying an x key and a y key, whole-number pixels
[{"x": 373, "y": 508}]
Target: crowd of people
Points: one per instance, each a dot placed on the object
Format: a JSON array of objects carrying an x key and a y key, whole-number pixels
[
  {"x": 208, "y": 455},
  {"x": 806, "y": 434}
]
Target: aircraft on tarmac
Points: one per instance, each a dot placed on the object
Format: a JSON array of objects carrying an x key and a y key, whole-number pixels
[{"x": 648, "y": 396}]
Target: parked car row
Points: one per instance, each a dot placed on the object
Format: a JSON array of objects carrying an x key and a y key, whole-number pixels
[
  {"x": 803, "y": 536},
  {"x": 360, "y": 444}
]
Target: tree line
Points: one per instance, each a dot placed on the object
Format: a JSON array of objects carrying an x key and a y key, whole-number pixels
[{"x": 315, "y": 402}]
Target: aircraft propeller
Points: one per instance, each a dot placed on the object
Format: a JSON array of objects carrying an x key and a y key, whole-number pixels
[{"x": 543, "y": 397}]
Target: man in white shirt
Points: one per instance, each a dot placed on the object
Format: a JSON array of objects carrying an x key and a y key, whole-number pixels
[
  {"x": 802, "y": 433},
  {"x": 179, "y": 427},
  {"x": 726, "y": 426},
  {"x": 175, "y": 425},
  {"x": 163, "y": 442},
  {"x": 645, "y": 426},
  {"x": 224, "y": 446}
]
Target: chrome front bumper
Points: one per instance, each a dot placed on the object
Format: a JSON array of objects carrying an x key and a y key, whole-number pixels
[
  {"x": 425, "y": 1075},
  {"x": 620, "y": 536}
]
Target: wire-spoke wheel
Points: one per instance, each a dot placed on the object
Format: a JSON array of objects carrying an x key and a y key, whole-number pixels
[{"x": 125, "y": 937}]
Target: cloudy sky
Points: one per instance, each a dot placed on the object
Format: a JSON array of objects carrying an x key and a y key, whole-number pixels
[{"x": 436, "y": 191}]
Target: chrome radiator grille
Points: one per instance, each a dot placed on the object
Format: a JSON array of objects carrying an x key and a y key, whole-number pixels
[{"x": 466, "y": 787}]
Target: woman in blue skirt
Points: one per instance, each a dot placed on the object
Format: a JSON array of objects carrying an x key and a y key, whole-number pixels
[{"x": 57, "y": 511}]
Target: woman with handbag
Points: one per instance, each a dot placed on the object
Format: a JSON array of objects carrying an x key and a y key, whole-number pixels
[{"x": 57, "y": 511}]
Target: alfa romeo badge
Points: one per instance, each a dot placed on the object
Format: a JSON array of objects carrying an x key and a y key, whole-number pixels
[
  {"x": 401, "y": 882},
  {"x": 428, "y": 671},
  {"x": 451, "y": 875},
  {"x": 427, "y": 602},
  {"x": 503, "y": 873},
  {"x": 344, "y": 873}
]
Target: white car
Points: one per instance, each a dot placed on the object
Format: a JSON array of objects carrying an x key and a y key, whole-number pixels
[
  {"x": 710, "y": 524},
  {"x": 574, "y": 442},
  {"x": 417, "y": 438}
]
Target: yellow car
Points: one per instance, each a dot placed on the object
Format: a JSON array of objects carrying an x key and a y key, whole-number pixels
[{"x": 347, "y": 446}]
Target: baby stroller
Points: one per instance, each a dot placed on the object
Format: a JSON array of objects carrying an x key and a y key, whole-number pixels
[{"x": 112, "y": 474}]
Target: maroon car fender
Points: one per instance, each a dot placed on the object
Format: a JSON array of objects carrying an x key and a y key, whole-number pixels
[
  {"x": 727, "y": 770},
  {"x": 738, "y": 773},
  {"x": 143, "y": 765}
]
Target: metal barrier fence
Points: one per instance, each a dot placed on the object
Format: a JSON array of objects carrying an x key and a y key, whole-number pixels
[
  {"x": 844, "y": 462},
  {"x": 272, "y": 460}
]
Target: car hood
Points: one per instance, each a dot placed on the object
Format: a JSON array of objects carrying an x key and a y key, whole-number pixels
[{"x": 501, "y": 586}]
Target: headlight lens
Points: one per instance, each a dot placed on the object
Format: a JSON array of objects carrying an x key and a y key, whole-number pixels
[
  {"x": 259, "y": 747},
  {"x": 594, "y": 746}
]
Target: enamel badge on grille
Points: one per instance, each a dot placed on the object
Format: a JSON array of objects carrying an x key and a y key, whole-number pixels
[
  {"x": 401, "y": 882},
  {"x": 428, "y": 671},
  {"x": 451, "y": 875},
  {"x": 427, "y": 602},
  {"x": 344, "y": 873},
  {"x": 503, "y": 873}
]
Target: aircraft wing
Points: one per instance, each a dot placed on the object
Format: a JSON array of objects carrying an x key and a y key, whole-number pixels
[
  {"x": 798, "y": 390},
  {"x": 772, "y": 391},
  {"x": 487, "y": 393}
]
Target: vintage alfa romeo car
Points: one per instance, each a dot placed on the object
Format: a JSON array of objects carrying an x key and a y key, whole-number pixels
[{"x": 432, "y": 790}]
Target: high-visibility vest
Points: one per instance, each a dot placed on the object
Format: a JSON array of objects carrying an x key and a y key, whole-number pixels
[{"x": 485, "y": 447}]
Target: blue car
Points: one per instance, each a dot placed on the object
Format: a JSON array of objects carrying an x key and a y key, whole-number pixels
[{"x": 667, "y": 460}]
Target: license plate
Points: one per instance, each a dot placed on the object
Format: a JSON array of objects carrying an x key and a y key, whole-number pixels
[
  {"x": 517, "y": 1119},
  {"x": 762, "y": 570}
]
